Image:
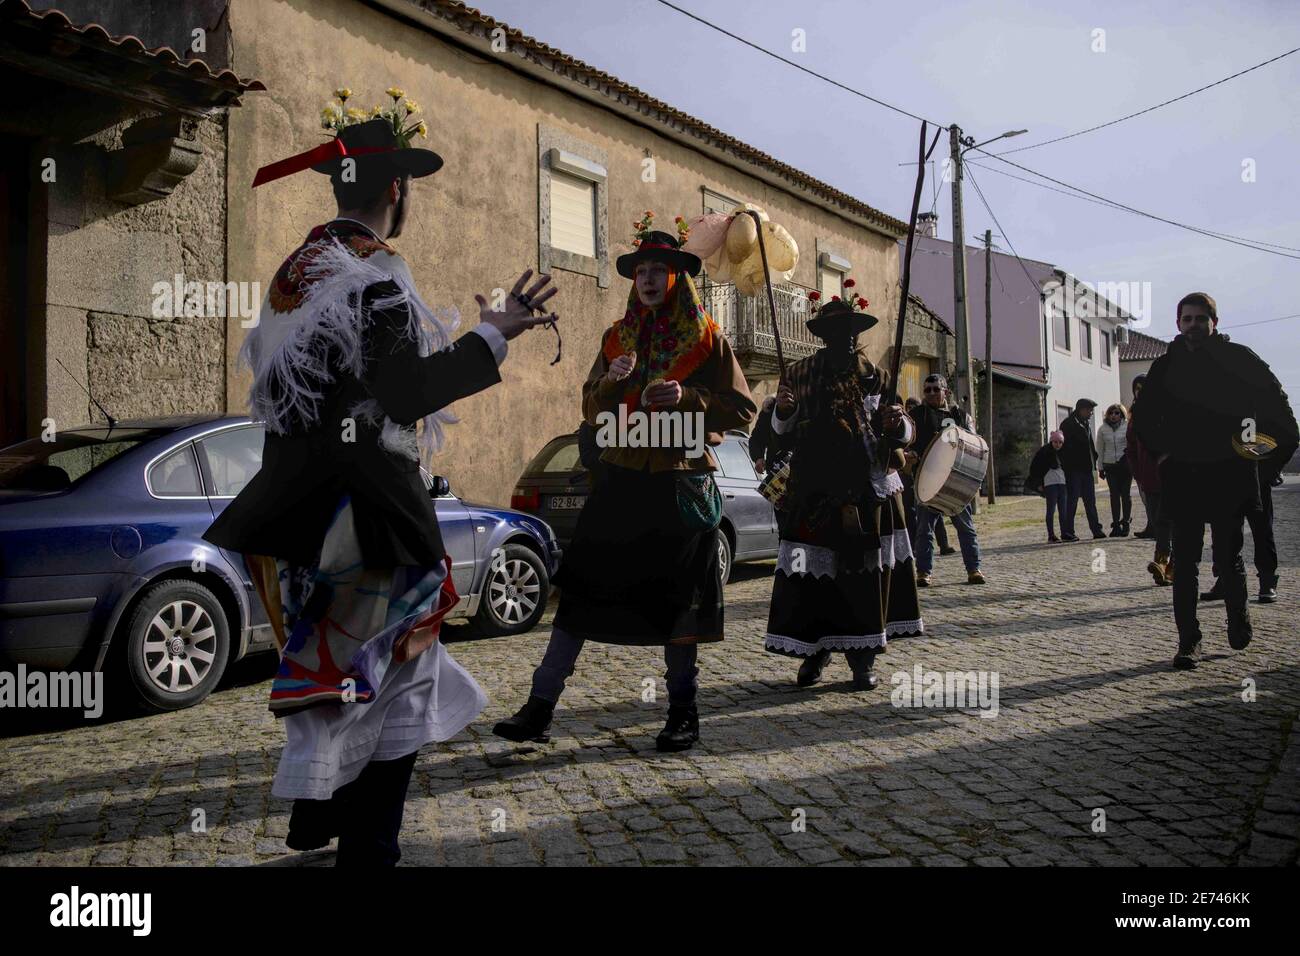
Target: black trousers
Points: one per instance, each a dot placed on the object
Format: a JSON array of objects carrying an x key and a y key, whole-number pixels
[
  {"x": 1261, "y": 529},
  {"x": 366, "y": 815},
  {"x": 1226, "y": 540},
  {"x": 1120, "y": 480}
]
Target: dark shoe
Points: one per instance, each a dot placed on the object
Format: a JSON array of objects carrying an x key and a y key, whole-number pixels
[
  {"x": 975, "y": 577},
  {"x": 810, "y": 671},
  {"x": 312, "y": 824},
  {"x": 864, "y": 677},
  {"x": 1053, "y": 539},
  {"x": 1213, "y": 594},
  {"x": 1268, "y": 591},
  {"x": 1186, "y": 659},
  {"x": 681, "y": 731},
  {"x": 1144, "y": 533},
  {"x": 1098, "y": 534},
  {"x": 922, "y": 579},
  {"x": 533, "y": 722},
  {"x": 1240, "y": 630},
  {"x": 1159, "y": 569},
  {"x": 947, "y": 550},
  {"x": 1114, "y": 533},
  {"x": 1069, "y": 537}
]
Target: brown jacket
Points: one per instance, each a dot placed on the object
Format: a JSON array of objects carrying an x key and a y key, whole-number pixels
[{"x": 717, "y": 389}]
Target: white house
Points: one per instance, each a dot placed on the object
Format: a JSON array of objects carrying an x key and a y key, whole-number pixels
[{"x": 1082, "y": 331}]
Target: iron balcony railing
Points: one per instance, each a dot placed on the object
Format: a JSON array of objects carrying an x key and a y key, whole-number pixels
[{"x": 744, "y": 320}]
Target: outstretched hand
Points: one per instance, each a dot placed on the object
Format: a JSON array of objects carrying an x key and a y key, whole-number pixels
[{"x": 515, "y": 316}]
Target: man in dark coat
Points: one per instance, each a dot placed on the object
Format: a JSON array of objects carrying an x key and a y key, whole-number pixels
[
  {"x": 761, "y": 446},
  {"x": 1079, "y": 459},
  {"x": 338, "y": 533},
  {"x": 1205, "y": 401}
]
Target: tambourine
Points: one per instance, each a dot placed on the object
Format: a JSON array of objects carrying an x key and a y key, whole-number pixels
[{"x": 1256, "y": 450}]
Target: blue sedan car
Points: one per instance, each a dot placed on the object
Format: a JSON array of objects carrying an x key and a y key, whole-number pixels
[{"x": 103, "y": 564}]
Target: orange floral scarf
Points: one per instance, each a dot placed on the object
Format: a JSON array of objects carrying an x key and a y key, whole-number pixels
[{"x": 670, "y": 342}]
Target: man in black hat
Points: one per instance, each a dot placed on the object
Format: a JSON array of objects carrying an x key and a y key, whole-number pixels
[
  {"x": 844, "y": 576},
  {"x": 1079, "y": 459},
  {"x": 352, "y": 372},
  {"x": 1207, "y": 407},
  {"x": 935, "y": 414}
]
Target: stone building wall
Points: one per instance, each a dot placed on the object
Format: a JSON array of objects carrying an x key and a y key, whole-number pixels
[{"x": 103, "y": 260}]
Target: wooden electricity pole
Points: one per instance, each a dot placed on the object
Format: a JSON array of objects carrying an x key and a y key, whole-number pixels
[{"x": 988, "y": 358}]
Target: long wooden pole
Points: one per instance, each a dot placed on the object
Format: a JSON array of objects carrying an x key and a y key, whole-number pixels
[
  {"x": 897, "y": 360},
  {"x": 771, "y": 297},
  {"x": 988, "y": 358}
]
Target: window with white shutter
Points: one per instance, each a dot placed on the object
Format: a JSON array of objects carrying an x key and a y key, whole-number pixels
[{"x": 573, "y": 214}]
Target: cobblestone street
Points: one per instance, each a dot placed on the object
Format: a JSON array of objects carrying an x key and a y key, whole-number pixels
[{"x": 1090, "y": 718}]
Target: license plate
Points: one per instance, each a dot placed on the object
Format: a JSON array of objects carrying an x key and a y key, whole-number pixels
[{"x": 567, "y": 502}]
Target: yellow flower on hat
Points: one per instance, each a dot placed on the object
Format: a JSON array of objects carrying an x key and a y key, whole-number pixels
[
  {"x": 356, "y": 115},
  {"x": 376, "y": 111},
  {"x": 412, "y": 106},
  {"x": 343, "y": 93},
  {"x": 395, "y": 92},
  {"x": 422, "y": 130}
]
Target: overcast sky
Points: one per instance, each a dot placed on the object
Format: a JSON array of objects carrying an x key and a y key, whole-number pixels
[{"x": 995, "y": 66}]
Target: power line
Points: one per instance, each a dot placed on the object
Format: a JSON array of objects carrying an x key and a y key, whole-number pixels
[
  {"x": 1001, "y": 231},
  {"x": 1280, "y": 318},
  {"x": 1020, "y": 149},
  {"x": 776, "y": 56},
  {"x": 1224, "y": 237}
]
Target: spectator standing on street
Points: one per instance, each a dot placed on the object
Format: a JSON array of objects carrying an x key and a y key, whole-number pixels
[
  {"x": 1047, "y": 478},
  {"x": 1148, "y": 529},
  {"x": 1111, "y": 439},
  {"x": 1191, "y": 414},
  {"x": 1079, "y": 457}
]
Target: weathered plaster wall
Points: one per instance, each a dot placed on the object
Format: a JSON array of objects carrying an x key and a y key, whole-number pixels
[{"x": 474, "y": 226}]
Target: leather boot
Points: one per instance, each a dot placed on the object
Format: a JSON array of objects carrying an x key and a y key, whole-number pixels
[
  {"x": 1240, "y": 630},
  {"x": 1188, "y": 655},
  {"x": 682, "y": 729},
  {"x": 1268, "y": 590},
  {"x": 533, "y": 722},
  {"x": 810, "y": 671},
  {"x": 863, "y": 662},
  {"x": 1215, "y": 593}
]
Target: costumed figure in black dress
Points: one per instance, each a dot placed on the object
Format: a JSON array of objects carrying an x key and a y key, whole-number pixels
[{"x": 844, "y": 577}]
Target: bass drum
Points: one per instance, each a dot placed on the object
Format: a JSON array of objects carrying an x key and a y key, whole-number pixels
[{"x": 951, "y": 470}]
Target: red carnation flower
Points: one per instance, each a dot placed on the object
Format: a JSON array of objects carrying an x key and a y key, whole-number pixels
[
  {"x": 835, "y": 298},
  {"x": 849, "y": 283},
  {"x": 814, "y": 295}
]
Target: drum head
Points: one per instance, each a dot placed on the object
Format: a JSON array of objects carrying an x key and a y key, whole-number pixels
[{"x": 936, "y": 466}]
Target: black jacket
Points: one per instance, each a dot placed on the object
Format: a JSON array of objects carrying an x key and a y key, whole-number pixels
[
  {"x": 1045, "y": 459},
  {"x": 760, "y": 439},
  {"x": 285, "y": 511},
  {"x": 930, "y": 422},
  {"x": 1199, "y": 402},
  {"x": 1079, "y": 453}
]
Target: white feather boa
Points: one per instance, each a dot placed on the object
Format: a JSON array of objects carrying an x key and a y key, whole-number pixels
[{"x": 291, "y": 354}]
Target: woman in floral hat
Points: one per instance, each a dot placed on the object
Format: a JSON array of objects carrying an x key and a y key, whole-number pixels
[{"x": 642, "y": 567}]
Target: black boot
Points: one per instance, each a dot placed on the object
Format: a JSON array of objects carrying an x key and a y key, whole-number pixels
[
  {"x": 1268, "y": 590},
  {"x": 1187, "y": 656},
  {"x": 862, "y": 662},
  {"x": 810, "y": 671},
  {"x": 682, "y": 729},
  {"x": 1240, "y": 630},
  {"x": 1215, "y": 593},
  {"x": 533, "y": 722}
]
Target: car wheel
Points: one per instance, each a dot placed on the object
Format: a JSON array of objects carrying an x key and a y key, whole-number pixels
[
  {"x": 177, "y": 644},
  {"x": 515, "y": 591},
  {"x": 724, "y": 556}
]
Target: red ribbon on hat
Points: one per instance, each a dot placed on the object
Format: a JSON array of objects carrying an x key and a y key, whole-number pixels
[{"x": 329, "y": 150}]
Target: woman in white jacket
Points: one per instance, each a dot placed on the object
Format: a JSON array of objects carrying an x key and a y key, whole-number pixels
[{"x": 1112, "y": 439}]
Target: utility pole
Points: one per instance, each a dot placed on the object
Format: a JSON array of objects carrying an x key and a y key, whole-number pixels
[
  {"x": 965, "y": 393},
  {"x": 988, "y": 358}
]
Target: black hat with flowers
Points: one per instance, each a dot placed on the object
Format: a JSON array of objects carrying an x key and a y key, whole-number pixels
[
  {"x": 378, "y": 139},
  {"x": 651, "y": 245},
  {"x": 840, "y": 317}
]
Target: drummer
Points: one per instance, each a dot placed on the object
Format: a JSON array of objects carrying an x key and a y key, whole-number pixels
[{"x": 935, "y": 413}]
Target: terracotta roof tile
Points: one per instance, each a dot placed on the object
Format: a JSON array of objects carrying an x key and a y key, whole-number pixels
[
  {"x": 56, "y": 23},
  {"x": 1141, "y": 347}
]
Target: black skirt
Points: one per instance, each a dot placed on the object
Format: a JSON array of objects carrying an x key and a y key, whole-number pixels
[{"x": 633, "y": 573}]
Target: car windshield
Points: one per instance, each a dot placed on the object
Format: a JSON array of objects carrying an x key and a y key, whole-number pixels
[
  {"x": 37, "y": 466},
  {"x": 559, "y": 457}
]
